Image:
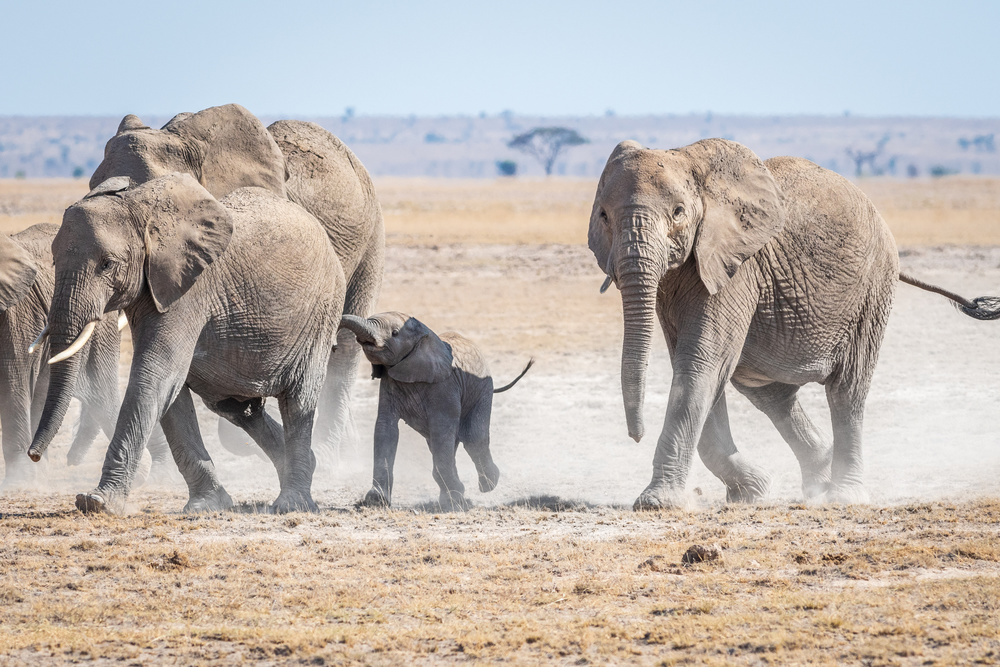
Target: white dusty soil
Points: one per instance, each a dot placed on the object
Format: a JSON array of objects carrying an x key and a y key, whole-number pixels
[{"x": 933, "y": 420}]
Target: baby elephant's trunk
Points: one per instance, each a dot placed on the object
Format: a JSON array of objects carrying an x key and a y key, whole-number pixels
[
  {"x": 362, "y": 329},
  {"x": 531, "y": 362}
]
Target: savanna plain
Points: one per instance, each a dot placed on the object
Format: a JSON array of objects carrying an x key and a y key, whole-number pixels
[{"x": 553, "y": 566}]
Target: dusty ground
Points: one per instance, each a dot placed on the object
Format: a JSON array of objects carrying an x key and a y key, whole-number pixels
[{"x": 552, "y": 566}]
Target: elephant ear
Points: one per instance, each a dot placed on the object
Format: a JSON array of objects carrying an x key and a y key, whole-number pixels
[
  {"x": 186, "y": 230},
  {"x": 744, "y": 208},
  {"x": 430, "y": 361},
  {"x": 236, "y": 149},
  {"x": 598, "y": 238},
  {"x": 17, "y": 272}
]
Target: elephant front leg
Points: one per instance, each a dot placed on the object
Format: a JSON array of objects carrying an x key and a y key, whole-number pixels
[
  {"x": 847, "y": 470},
  {"x": 691, "y": 400},
  {"x": 14, "y": 419},
  {"x": 745, "y": 483},
  {"x": 386, "y": 442}
]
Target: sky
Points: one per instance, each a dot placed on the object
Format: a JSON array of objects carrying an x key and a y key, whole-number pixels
[{"x": 445, "y": 57}]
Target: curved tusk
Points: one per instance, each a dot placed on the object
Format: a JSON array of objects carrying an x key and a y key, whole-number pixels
[
  {"x": 80, "y": 341},
  {"x": 606, "y": 285},
  {"x": 122, "y": 321},
  {"x": 38, "y": 341}
]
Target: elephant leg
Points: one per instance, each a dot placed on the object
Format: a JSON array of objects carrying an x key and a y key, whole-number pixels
[
  {"x": 86, "y": 432},
  {"x": 847, "y": 407},
  {"x": 15, "y": 417},
  {"x": 476, "y": 438},
  {"x": 158, "y": 447},
  {"x": 745, "y": 483},
  {"x": 235, "y": 440},
  {"x": 180, "y": 426},
  {"x": 250, "y": 418},
  {"x": 386, "y": 443},
  {"x": 813, "y": 451},
  {"x": 97, "y": 389},
  {"x": 443, "y": 442},
  {"x": 298, "y": 414}
]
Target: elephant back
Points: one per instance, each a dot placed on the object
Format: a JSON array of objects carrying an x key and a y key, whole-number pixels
[{"x": 329, "y": 181}]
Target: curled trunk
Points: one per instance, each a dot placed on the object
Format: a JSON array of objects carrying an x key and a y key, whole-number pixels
[{"x": 362, "y": 328}]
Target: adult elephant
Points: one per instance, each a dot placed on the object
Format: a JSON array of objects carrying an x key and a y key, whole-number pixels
[
  {"x": 226, "y": 148},
  {"x": 768, "y": 274},
  {"x": 234, "y": 300},
  {"x": 26, "y": 284}
]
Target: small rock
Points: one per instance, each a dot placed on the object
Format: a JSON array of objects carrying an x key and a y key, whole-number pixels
[{"x": 699, "y": 554}]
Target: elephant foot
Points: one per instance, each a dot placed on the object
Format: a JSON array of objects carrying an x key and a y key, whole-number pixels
[
  {"x": 489, "y": 478},
  {"x": 814, "y": 486},
  {"x": 848, "y": 494},
  {"x": 216, "y": 500},
  {"x": 750, "y": 488},
  {"x": 658, "y": 498},
  {"x": 453, "y": 501},
  {"x": 294, "y": 501},
  {"x": 375, "y": 498},
  {"x": 98, "y": 501}
]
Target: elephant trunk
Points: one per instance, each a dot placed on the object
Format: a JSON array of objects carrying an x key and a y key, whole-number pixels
[
  {"x": 62, "y": 384},
  {"x": 363, "y": 329}
]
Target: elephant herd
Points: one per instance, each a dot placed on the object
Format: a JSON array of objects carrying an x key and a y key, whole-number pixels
[{"x": 248, "y": 261}]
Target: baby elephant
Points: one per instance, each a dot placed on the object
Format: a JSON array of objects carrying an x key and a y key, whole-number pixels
[{"x": 440, "y": 386}]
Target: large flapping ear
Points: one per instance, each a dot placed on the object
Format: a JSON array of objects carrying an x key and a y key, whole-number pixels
[
  {"x": 598, "y": 239},
  {"x": 744, "y": 208},
  {"x": 236, "y": 149},
  {"x": 17, "y": 272},
  {"x": 430, "y": 361},
  {"x": 186, "y": 230}
]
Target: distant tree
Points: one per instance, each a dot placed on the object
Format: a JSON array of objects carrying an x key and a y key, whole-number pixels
[
  {"x": 861, "y": 157},
  {"x": 19, "y": 173},
  {"x": 545, "y": 143},
  {"x": 506, "y": 167},
  {"x": 78, "y": 172},
  {"x": 433, "y": 138}
]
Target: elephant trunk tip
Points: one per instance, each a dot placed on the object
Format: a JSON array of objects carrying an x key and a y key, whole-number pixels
[{"x": 34, "y": 455}]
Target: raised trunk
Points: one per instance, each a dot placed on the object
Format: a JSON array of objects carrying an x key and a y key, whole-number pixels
[
  {"x": 62, "y": 384},
  {"x": 362, "y": 328}
]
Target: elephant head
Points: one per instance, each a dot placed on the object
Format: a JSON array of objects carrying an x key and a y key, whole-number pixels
[
  {"x": 224, "y": 148},
  {"x": 401, "y": 347},
  {"x": 122, "y": 247},
  {"x": 654, "y": 209},
  {"x": 17, "y": 272}
]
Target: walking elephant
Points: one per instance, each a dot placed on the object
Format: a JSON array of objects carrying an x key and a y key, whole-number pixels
[
  {"x": 234, "y": 300},
  {"x": 227, "y": 147},
  {"x": 440, "y": 386},
  {"x": 26, "y": 282},
  {"x": 768, "y": 274}
]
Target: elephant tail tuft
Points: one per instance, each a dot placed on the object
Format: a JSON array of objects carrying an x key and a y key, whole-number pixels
[
  {"x": 531, "y": 362},
  {"x": 981, "y": 308}
]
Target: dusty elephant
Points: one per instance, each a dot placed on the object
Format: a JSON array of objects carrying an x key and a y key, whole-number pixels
[
  {"x": 26, "y": 283},
  {"x": 768, "y": 274},
  {"x": 227, "y": 147},
  {"x": 233, "y": 300},
  {"x": 441, "y": 387}
]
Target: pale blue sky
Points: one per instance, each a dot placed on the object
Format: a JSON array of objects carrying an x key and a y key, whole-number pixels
[{"x": 448, "y": 57}]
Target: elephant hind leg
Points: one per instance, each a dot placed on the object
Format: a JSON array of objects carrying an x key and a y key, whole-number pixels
[
  {"x": 813, "y": 450},
  {"x": 475, "y": 435},
  {"x": 745, "y": 483}
]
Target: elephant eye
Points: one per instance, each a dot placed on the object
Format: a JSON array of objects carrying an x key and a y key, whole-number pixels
[
  {"x": 106, "y": 264},
  {"x": 395, "y": 332},
  {"x": 604, "y": 217},
  {"x": 678, "y": 211}
]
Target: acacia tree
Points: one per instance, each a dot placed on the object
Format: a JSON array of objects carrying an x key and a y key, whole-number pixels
[{"x": 545, "y": 143}]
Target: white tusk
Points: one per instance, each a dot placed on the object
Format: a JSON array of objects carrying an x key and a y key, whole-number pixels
[
  {"x": 606, "y": 285},
  {"x": 122, "y": 321},
  {"x": 38, "y": 341},
  {"x": 80, "y": 341}
]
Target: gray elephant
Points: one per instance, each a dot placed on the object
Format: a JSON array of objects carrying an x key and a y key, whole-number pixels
[
  {"x": 233, "y": 300},
  {"x": 768, "y": 274},
  {"x": 227, "y": 147},
  {"x": 441, "y": 387},
  {"x": 26, "y": 282}
]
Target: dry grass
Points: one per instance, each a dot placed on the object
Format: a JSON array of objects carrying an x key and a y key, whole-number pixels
[{"x": 827, "y": 585}]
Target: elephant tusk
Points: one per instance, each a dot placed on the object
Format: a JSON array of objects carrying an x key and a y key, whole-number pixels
[
  {"x": 606, "y": 285},
  {"x": 38, "y": 341},
  {"x": 122, "y": 321},
  {"x": 80, "y": 341}
]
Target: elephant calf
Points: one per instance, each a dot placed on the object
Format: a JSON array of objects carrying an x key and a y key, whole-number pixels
[{"x": 440, "y": 386}]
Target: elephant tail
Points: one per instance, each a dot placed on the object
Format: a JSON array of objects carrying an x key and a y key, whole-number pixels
[
  {"x": 981, "y": 308},
  {"x": 531, "y": 362}
]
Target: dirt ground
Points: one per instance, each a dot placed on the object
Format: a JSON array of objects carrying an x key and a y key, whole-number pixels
[{"x": 553, "y": 566}]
